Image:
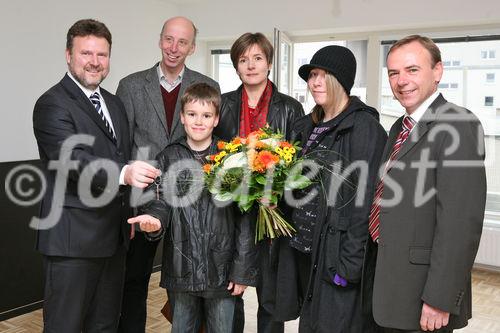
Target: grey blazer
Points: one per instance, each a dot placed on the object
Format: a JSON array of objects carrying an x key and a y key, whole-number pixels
[
  {"x": 430, "y": 235},
  {"x": 141, "y": 94}
]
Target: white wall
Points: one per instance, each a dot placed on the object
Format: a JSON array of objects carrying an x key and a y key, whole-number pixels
[
  {"x": 33, "y": 35},
  {"x": 229, "y": 18}
]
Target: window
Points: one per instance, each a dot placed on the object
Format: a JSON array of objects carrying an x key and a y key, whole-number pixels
[
  {"x": 469, "y": 80},
  {"x": 488, "y": 54}
]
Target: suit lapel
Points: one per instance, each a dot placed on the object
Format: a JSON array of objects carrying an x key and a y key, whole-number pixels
[
  {"x": 153, "y": 91},
  {"x": 84, "y": 103},
  {"x": 273, "y": 111},
  {"x": 422, "y": 127}
]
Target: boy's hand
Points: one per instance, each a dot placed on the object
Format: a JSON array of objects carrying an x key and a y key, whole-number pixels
[
  {"x": 147, "y": 223},
  {"x": 238, "y": 289}
]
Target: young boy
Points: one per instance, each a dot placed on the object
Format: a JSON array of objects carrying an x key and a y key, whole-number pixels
[{"x": 209, "y": 256}]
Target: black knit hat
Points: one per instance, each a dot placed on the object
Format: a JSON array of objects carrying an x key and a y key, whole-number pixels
[{"x": 336, "y": 60}]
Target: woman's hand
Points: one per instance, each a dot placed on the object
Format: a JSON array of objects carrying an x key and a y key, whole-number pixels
[{"x": 238, "y": 289}]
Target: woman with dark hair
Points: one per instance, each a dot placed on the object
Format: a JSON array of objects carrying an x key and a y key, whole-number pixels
[
  {"x": 342, "y": 135},
  {"x": 254, "y": 104}
]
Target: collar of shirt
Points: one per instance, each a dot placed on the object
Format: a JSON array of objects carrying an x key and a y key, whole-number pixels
[
  {"x": 169, "y": 86},
  {"x": 89, "y": 93},
  {"x": 419, "y": 112}
]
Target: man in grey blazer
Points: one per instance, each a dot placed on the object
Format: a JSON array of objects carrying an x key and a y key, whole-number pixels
[
  {"x": 152, "y": 101},
  {"x": 428, "y": 210}
]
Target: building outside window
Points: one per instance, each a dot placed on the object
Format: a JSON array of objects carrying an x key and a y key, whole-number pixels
[{"x": 468, "y": 81}]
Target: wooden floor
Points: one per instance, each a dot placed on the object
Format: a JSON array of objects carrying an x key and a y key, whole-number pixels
[{"x": 486, "y": 309}]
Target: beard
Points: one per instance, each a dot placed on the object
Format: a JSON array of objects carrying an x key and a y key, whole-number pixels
[{"x": 88, "y": 81}]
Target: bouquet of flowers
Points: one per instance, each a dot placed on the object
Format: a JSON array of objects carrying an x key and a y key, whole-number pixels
[{"x": 257, "y": 169}]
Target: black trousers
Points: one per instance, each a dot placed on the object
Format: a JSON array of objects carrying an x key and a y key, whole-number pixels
[
  {"x": 83, "y": 294},
  {"x": 266, "y": 286},
  {"x": 138, "y": 270}
]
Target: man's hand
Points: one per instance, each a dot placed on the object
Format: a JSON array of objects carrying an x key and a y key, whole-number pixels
[
  {"x": 147, "y": 223},
  {"x": 238, "y": 289},
  {"x": 433, "y": 318},
  {"x": 140, "y": 174}
]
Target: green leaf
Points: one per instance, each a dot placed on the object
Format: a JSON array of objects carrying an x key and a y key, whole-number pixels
[
  {"x": 261, "y": 179},
  {"x": 226, "y": 196},
  {"x": 298, "y": 182}
]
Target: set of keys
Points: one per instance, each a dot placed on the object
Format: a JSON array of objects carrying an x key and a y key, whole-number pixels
[{"x": 157, "y": 183}]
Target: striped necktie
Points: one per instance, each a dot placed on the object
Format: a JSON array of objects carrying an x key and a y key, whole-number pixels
[
  {"x": 374, "y": 220},
  {"x": 95, "y": 99}
]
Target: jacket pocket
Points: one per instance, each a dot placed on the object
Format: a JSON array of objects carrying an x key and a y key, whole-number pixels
[
  {"x": 420, "y": 255},
  {"x": 331, "y": 253},
  {"x": 220, "y": 258}
]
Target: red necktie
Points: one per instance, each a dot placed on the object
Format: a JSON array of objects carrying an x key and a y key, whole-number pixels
[{"x": 374, "y": 221}]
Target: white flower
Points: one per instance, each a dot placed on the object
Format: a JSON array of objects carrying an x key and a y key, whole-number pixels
[
  {"x": 237, "y": 160},
  {"x": 271, "y": 142}
]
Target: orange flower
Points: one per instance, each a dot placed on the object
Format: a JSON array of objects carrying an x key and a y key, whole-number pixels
[
  {"x": 236, "y": 140},
  {"x": 259, "y": 145},
  {"x": 284, "y": 144},
  {"x": 265, "y": 160},
  {"x": 221, "y": 145},
  {"x": 207, "y": 168}
]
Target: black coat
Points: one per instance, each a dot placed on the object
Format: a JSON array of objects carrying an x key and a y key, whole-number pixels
[
  {"x": 81, "y": 231},
  {"x": 283, "y": 112},
  {"x": 341, "y": 229},
  {"x": 205, "y": 245}
]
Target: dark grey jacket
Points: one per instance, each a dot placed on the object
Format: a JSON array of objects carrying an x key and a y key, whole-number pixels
[
  {"x": 141, "y": 94},
  {"x": 205, "y": 246}
]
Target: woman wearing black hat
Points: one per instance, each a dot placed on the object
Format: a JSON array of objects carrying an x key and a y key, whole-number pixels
[{"x": 344, "y": 137}]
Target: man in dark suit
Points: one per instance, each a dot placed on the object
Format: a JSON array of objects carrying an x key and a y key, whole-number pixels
[
  {"x": 152, "y": 101},
  {"x": 428, "y": 210},
  {"x": 83, "y": 141}
]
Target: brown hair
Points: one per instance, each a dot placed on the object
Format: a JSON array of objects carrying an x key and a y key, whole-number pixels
[
  {"x": 245, "y": 41},
  {"x": 426, "y": 42},
  {"x": 87, "y": 27},
  {"x": 335, "y": 92},
  {"x": 202, "y": 93}
]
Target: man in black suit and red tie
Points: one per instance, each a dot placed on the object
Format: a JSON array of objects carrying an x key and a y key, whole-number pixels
[
  {"x": 84, "y": 144},
  {"x": 427, "y": 215}
]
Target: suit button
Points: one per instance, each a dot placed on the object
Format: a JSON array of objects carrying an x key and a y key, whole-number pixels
[
  {"x": 315, "y": 267},
  {"x": 309, "y": 297},
  {"x": 119, "y": 153}
]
